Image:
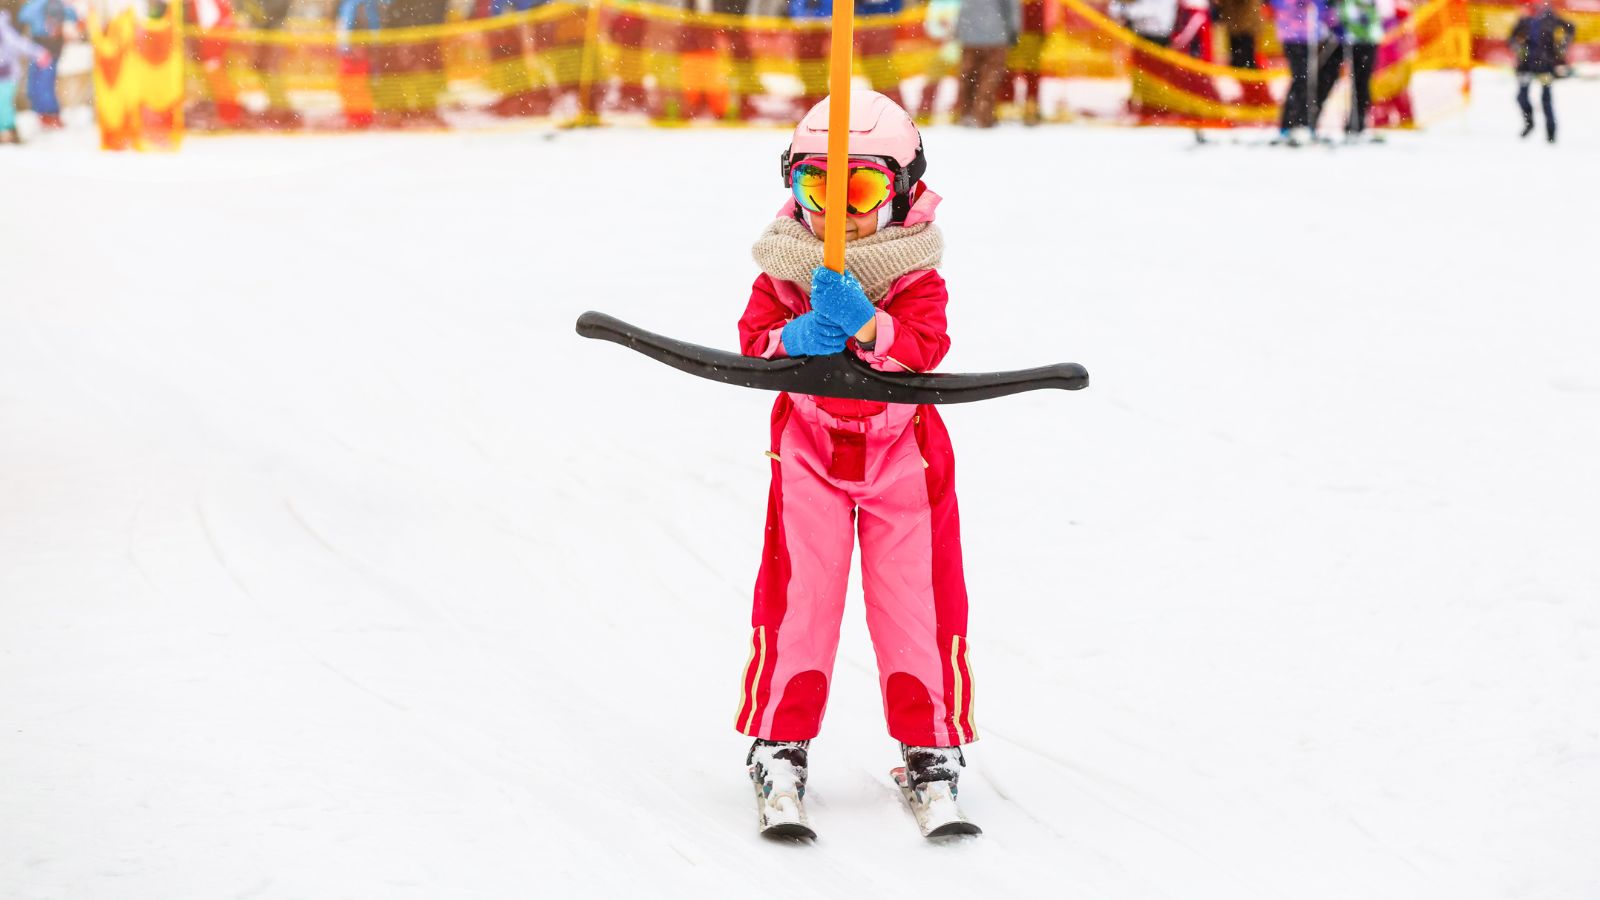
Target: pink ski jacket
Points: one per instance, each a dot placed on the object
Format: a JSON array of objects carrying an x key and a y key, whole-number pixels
[{"x": 911, "y": 320}]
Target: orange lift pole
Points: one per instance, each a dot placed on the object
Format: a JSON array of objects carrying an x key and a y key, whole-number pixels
[{"x": 840, "y": 66}]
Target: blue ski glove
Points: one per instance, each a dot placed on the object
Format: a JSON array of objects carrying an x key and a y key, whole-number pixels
[
  {"x": 812, "y": 335},
  {"x": 840, "y": 299}
]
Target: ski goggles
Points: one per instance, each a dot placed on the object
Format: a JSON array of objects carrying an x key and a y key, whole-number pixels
[{"x": 871, "y": 185}]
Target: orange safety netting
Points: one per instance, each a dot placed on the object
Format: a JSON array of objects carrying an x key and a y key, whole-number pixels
[
  {"x": 138, "y": 79},
  {"x": 615, "y": 59},
  {"x": 606, "y": 58}
]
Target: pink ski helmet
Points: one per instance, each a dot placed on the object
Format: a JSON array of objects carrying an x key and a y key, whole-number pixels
[{"x": 878, "y": 128}]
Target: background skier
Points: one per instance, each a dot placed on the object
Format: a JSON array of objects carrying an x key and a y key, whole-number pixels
[
  {"x": 1362, "y": 24},
  {"x": 1540, "y": 41},
  {"x": 46, "y": 22},
  {"x": 14, "y": 48},
  {"x": 1306, "y": 31}
]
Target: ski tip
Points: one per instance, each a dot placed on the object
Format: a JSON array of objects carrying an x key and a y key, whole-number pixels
[
  {"x": 789, "y": 831},
  {"x": 954, "y": 829}
]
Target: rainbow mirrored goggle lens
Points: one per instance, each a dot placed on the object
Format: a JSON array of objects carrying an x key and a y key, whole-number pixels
[{"x": 871, "y": 186}]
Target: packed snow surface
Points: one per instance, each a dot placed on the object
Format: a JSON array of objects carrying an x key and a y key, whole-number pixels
[{"x": 333, "y": 564}]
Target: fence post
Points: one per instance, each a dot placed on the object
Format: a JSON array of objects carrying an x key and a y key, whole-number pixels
[
  {"x": 589, "y": 71},
  {"x": 1464, "y": 30}
]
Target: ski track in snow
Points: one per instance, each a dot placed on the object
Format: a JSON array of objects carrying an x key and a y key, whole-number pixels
[{"x": 333, "y": 564}]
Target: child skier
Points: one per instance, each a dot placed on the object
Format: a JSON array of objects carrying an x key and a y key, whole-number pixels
[
  {"x": 46, "y": 22},
  {"x": 14, "y": 48},
  {"x": 843, "y": 467}
]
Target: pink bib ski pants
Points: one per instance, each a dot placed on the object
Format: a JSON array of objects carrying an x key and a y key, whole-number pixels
[{"x": 883, "y": 474}]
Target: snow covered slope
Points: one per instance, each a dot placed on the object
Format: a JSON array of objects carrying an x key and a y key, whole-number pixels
[{"x": 333, "y": 564}]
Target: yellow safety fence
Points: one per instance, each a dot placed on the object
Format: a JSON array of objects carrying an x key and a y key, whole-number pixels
[
  {"x": 614, "y": 60},
  {"x": 1171, "y": 87},
  {"x": 1492, "y": 21},
  {"x": 608, "y": 58}
]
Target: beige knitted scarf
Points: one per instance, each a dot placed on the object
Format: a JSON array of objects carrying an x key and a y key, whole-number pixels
[{"x": 788, "y": 250}]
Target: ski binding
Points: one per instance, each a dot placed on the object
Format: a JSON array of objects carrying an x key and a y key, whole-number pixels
[{"x": 934, "y": 805}]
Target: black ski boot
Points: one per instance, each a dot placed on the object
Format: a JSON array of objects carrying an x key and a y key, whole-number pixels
[
  {"x": 778, "y": 771},
  {"x": 925, "y": 765}
]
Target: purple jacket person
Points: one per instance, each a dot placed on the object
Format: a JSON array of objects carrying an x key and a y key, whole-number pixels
[
  {"x": 1306, "y": 30},
  {"x": 1297, "y": 19}
]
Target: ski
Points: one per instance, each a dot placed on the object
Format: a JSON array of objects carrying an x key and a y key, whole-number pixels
[
  {"x": 840, "y": 375},
  {"x": 782, "y": 813},
  {"x": 934, "y": 805}
]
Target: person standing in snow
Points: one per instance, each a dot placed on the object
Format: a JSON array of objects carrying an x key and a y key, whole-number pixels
[
  {"x": 1540, "y": 41},
  {"x": 14, "y": 49},
  {"x": 986, "y": 30},
  {"x": 46, "y": 22},
  {"x": 1362, "y": 24},
  {"x": 1306, "y": 31},
  {"x": 1241, "y": 19},
  {"x": 843, "y": 467}
]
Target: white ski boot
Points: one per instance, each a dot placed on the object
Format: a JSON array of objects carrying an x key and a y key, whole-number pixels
[
  {"x": 778, "y": 771},
  {"x": 928, "y": 781}
]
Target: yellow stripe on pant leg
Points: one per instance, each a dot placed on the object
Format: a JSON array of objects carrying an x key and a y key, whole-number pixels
[
  {"x": 755, "y": 682},
  {"x": 955, "y": 673},
  {"x": 744, "y": 679},
  {"x": 970, "y": 718}
]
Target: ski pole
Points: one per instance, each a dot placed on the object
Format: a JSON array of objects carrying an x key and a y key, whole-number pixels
[
  {"x": 1313, "y": 73},
  {"x": 839, "y": 71}
]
